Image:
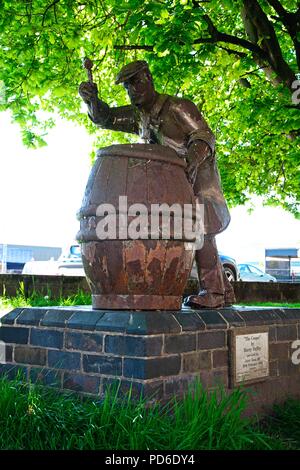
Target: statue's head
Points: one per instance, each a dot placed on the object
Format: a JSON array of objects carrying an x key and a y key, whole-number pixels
[{"x": 137, "y": 80}]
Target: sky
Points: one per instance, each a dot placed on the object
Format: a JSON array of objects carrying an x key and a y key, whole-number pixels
[{"x": 41, "y": 190}]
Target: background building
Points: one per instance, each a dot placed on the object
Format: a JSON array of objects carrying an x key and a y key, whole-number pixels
[
  {"x": 283, "y": 263},
  {"x": 13, "y": 257}
]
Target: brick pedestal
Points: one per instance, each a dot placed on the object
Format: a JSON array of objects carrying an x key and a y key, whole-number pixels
[{"x": 156, "y": 353}]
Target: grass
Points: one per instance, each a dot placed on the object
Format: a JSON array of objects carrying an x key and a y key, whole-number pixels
[
  {"x": 82, "y": 298},
  {"x": 35, "y": 418},
  {"x": 272, "y": 304},
  {"x": 284, "y": 424},
  {"x": 37, "y": 300}
]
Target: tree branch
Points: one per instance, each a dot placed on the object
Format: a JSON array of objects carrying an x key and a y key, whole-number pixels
[
  {"x": 291, "y": 20},
  {"x": 232, "y": 51},
  {"x": 278, "y": 7},
  {"x": 47, "y": 9},
  {"x": 133, "y": 47},
  {"x": 229, "y": 39},
  {"x": 218, "y": 36},
  {"x": 222, "y": 38}
]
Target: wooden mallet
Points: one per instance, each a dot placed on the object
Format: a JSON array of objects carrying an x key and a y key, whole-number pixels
[{"x": 88, "y": 65}]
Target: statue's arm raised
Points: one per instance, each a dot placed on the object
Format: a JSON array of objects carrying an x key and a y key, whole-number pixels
[{"x": 118, "y": 119}]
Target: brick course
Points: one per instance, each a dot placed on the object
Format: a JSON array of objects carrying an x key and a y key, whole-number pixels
[
  {"x": 133, "y": 345},
  {"x": 211, "y": 340},
  {"x": 106, "y": 365},
  {"x": 180, "y": 343},
  {"x": 279, "y": 351},
  {"x": 81, "y": 383},
  {"x": 45, "y": 376},
  {"x": 27, "y": 355},
  {"x": 46, "y": 338},
  {"x": 84, "y": 341},
  {"x": 14, "y": 335},
  {"x": 220, "y": 358},
  {"x": 287, "y": 332},
  {"x": 196, "y": 361},
  {"x": 151, "y": 368},
  {"x": 64, "y": 360}
]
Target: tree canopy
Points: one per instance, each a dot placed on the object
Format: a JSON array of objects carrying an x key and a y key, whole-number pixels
[{"x": 238, "y": 60}]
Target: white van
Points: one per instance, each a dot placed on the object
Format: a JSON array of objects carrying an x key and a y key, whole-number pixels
[{"x": 68, "y": 264}]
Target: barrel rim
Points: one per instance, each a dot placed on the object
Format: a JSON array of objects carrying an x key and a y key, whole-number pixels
[{"x": 142, "y": 151}]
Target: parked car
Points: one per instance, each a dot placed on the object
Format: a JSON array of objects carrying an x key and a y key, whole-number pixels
[
  {"x": 250, "y": 273},
  {"x": 48, "y": 268},
  {"x": 230, "y": 268},
  {"x": 69, "y": 264}
]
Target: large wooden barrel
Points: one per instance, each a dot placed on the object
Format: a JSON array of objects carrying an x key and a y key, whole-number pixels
[{"x": 143, "y": 273}]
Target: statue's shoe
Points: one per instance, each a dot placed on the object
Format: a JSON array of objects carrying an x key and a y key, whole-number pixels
[{"x": 205, "y": 301}]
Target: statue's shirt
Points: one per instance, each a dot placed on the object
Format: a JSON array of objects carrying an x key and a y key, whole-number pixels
[{"x": 174, "y": 122}]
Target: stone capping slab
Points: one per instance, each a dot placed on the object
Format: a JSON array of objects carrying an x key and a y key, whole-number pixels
[
  {"x": 189, "y": 321},
  {"x": 153, "y": 323},
  {"x": 231, "y": 316},
  {"x": 10, "y": 318},
  {"x": 31, "y": 316},
  {"x": 55, "y": 318},
  {"x": 115, "y": 321},
  {"x": 259, "y": 317},
  {"x": 149, "y": 322},
  {"x": 84, "y": 320},
  {"x": 289, "y": 314},
  {"x": 212, "y": 319}
]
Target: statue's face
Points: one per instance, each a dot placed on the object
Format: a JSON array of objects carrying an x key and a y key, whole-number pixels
[{"x": 140, "y": 89}]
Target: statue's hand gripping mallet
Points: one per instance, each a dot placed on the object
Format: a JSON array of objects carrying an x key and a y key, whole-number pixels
[
  {"x": 88, "y": 90},
  {"x": 88, "y": 65}
]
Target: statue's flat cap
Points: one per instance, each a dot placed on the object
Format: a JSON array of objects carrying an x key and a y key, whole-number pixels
[{"x": 130, "y": 70}]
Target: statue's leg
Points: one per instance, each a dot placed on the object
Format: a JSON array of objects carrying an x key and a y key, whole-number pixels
[
  {"x": 229, "y": 292},
  {"x": 210, "y": 274}
]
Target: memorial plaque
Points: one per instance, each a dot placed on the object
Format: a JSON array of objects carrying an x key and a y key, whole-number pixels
[{"x": 249, "y": 353}]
